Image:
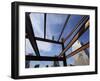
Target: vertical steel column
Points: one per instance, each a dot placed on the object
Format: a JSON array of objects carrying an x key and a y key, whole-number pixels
[
  {"x": 64, "y": 56},
  {"x": 44, "y": 25}
]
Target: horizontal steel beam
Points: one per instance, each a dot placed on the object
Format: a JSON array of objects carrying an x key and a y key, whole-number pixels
[
  {"x": 42, "y": 58},
  {"x": 46, "y": 40},
  {"x": 78, "y": 50},
  {"x": 76, "y": 36}
]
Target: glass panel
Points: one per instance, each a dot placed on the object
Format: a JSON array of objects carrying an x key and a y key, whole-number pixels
[
  {"x": 37, "y": 20},
  {"x": 55, "y": 23},
  {"x": 49, "y": 49}
]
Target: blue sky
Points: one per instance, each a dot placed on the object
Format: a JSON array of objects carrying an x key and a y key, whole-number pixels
[{"x": 54, "y": 24}]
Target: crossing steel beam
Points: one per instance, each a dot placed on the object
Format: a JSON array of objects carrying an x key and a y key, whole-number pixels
[
  {"x": 83, "y": 28},
  {"x": 78, "y": 50},
  {"x": 84, "y": 18}
]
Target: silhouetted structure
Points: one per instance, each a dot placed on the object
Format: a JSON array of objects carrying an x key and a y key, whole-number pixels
[{"x": 36, "y": 66}]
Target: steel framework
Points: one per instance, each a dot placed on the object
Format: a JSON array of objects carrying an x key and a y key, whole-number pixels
[{"x": 83, "y": 25}]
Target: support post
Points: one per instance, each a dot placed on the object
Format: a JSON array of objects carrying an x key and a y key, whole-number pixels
[
  {"x": 64, "y": 56},
  {"x": 64, "y": 26},
  {"x": 44, "y": 25}
]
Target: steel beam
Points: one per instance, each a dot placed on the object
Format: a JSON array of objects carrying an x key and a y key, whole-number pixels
[
  {"x": 44, "y": 25},
  {"x": 42, "y": 58},
  {"x": 84, "y": 18},
  {"x": 78, "y": 50},
  {"x": 64, "y": 57},
  {"x": 30, "y": 34},
  {"x": 46, "y": 40},
  {"x": 83, "y": 28},
  {"x": 67, "y": 19}
]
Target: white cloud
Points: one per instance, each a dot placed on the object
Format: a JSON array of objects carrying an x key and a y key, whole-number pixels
[
  {"x": 44, "y": 46},
  {"x": 38, "y": 26}
]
